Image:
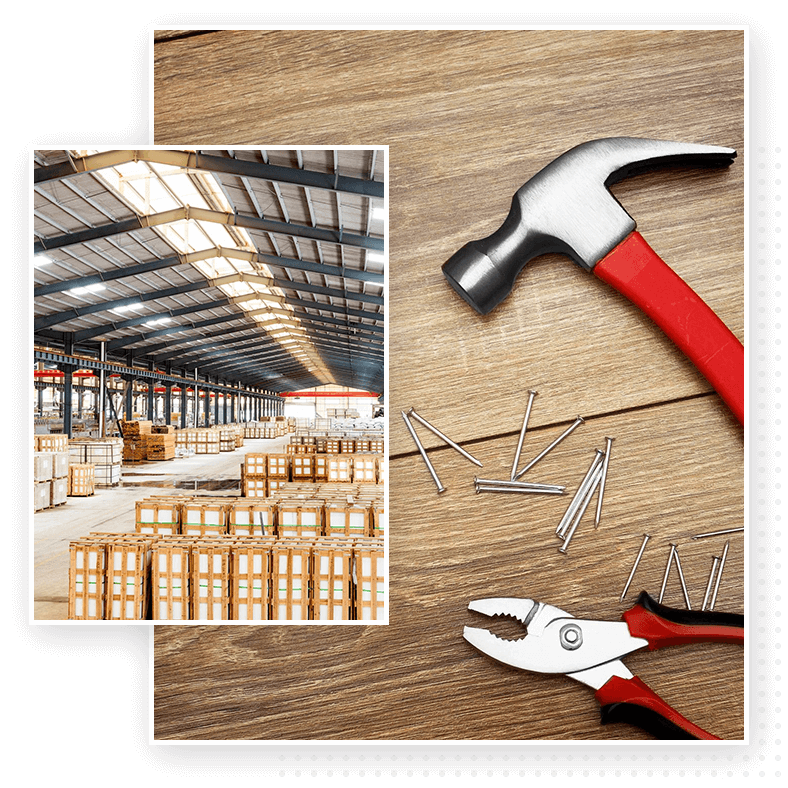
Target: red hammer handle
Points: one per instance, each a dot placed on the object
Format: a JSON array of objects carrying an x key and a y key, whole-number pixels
[{"x": 637, "y": 272}]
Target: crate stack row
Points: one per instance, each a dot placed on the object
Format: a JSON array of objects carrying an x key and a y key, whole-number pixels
[
  {"x": 170, "y": 578},
  {"x": 296, "y": 512},
  {"x": 336, "y": 444},
  {"x": 263, "y": 474},
  {"x": 209, "y": 440},
  {"x": 274, "y": 427}
]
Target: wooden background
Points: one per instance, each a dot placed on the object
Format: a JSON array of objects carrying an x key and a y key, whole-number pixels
[{"x": 469, "y": 116}]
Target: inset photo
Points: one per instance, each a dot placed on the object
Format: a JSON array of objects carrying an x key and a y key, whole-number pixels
[{"x": 209, "y": 385}]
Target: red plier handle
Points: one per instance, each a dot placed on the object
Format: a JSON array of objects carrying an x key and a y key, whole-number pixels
[{"x": 630, "y": 700}]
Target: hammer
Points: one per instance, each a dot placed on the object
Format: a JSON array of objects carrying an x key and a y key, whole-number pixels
[{"x": 567, "y": 208}]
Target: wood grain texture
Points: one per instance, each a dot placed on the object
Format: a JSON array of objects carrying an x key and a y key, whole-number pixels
[{"x": 469, "y": 116}]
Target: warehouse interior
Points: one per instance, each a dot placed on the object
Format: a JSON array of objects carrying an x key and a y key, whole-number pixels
[{"x": 208, "y": 384}]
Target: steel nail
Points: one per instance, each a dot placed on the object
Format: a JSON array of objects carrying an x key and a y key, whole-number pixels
[
  {"x": 582, "y": 510},
  {"x": 578, "y": 421},
  {"x": 426, "y": 459},
  {"x": 646, "y": 537},
  {"x": 531, "y": 395},
  {"x": 602, "y": 485},
  {"x": 537, "y": 490},
  {"x": 681, "y": 577},
  {"x": 437, "y": 432},
  {"x": 574, "y": 504},
  {"x": 508, "y": 483},
  {"x": 719, "y": 575},
  {"x": 715, "y": 560},
  {"x": 719, "y": 533},
  {"x": 667, "y": 572}
]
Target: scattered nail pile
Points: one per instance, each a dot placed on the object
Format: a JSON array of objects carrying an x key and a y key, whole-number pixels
[{"x": 594, "y": 479}]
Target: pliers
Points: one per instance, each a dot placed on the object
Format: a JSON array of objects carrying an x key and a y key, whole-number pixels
[{"x": 590, "y": 652}]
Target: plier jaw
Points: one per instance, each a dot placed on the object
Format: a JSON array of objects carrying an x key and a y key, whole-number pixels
[
  {"x": 556, "y": 641},
  {"x": 590, "y": 652}
]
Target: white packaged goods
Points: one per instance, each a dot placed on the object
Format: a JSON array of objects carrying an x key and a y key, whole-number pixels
[
  {"x": 60, "y": 465},
  {"x": 42, "y": 466},
  {"x": 59, "y": 491},
  {"x": 42, "y": 495}
]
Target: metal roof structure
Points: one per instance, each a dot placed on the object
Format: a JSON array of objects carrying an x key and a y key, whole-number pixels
[{"x": 263, "y": 267}]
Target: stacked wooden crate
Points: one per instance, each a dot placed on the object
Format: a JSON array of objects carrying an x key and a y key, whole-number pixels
[
  {"x": 278, "y": 471},
  {"x": 185, "y": 442},
  {"x": 254, "y": 475},
  {"x": 298, "y": 517},
  {"x": 204, "y": 516},
  {"x": 105, "y": 454},
  {"x": 250, "y": 518},
  {"x": 50, "y": 479},
  {"x": 227, "y": 438},
  {"x": 208, "y": 440},
  {"x": 42, "y": 480},
  {"x": 50, "y": 474},
  {"x": 303, "y": 466},
  {"x": 81, "y": 479},
  {"x": 158, "y": 515}
]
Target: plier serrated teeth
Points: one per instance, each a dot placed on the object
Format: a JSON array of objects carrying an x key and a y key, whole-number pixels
[{"x": 590, "y": 652}]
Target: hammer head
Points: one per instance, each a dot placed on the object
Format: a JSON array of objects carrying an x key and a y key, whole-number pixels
[{"x": 567, "y": 208}]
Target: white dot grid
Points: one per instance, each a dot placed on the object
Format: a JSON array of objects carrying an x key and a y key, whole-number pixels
[{"x": 765, "y": 365}]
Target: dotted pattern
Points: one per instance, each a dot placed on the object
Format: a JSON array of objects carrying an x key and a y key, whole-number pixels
[{"x": 761, "y": 757}]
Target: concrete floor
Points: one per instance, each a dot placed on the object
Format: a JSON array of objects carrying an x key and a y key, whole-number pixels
[{"x": 113, "y": 509}]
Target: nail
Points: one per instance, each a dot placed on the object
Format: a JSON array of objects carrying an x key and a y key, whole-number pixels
[
  {"x": 719, "y": 575},
  {"x": 574, "y": 504},
  {"x": 602, "y": 485},
  {"x": 715, "y": 560},
  {"x": 646, "y": 537},
  {"x": 426, "y": 459},
  {"x": 667, "y": 572},
  {"x": 508, "y": 483},
  {"x": 538, "y": 490},
  {"x": 531, "y": 395},
  {"x": 681, "y": 577},
  {"x": 719, "y": 533},
  {"x": 437, "y": 432},
  {"x": 595, "y": 479},
  {"x": 555, "y": 443}
]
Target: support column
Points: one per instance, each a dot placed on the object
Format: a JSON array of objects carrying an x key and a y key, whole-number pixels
[
  {"x": 207, "y": 407},
  {"x": 215, "y": 407},
  {"x": 224, "y": 401},
  {"x": 182, "y": 404},
  {"x": 101, "y": 405}
]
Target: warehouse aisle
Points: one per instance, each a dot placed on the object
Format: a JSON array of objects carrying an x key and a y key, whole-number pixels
[{"x": 113, "y": 509}]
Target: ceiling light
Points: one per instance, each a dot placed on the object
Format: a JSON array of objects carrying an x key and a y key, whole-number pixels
[
  {"x": 378, "y": 212},
  {"x": 127, "y": 308},
  {"x": 158, "y": 321},
  {"x": 87, "y": 289},
  {"x": 375, "y": 257},
  {"x": 41, "y": 259}
]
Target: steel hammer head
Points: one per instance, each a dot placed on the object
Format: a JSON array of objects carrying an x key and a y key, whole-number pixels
[{"x": 567, "y": 208}]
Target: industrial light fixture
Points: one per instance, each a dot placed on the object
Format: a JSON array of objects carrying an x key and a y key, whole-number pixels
[
  {"x": 375, "y": 257},
  {"x": 158, "y": 321},
  {"x": 378, "y": 212},
  {"x": 95, "y": 288},
  {"x": 127, "y": 308},
  {"x": 41, "y": 259}
]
